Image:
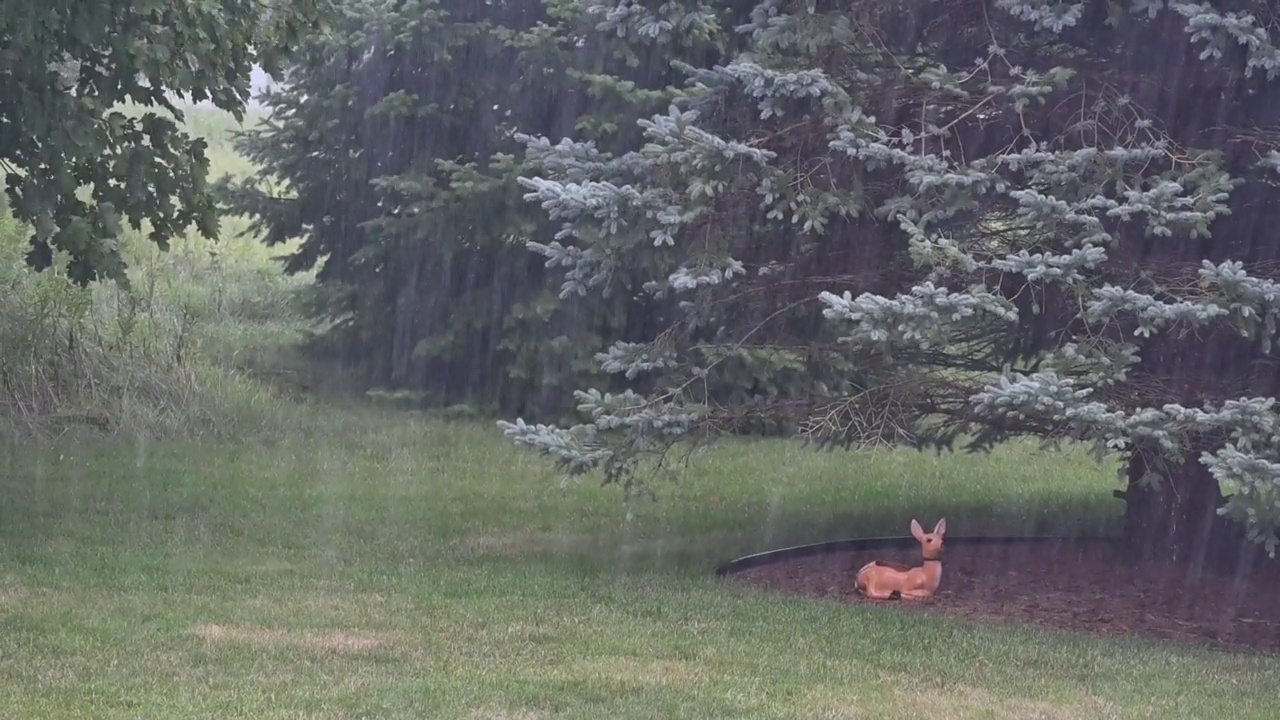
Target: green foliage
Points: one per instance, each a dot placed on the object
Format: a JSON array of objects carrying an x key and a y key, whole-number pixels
[
  {"x": 168, "y": 354},
  {"x": 1048, "y": 238},
  {"x": 392, "y": 154},
  {"x": 78, "y": 168}
]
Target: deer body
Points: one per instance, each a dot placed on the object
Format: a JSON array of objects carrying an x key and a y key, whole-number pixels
[{"x": 879, "y": 579}]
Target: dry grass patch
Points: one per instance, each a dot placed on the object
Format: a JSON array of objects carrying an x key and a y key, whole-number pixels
[
  {"x": 638, "y": 670},
  {"x": 909, "y": 698},
  {"x": 339, "y": 641},
  {"x": 501, "y": 714},
  {"x": 526, "y": 543},
  {"x": 15, "y": 595},
  {"x": 522, "y": 543},
  {"x": 12, "y": 593}
]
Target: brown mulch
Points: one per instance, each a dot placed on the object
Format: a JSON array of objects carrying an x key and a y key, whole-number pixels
[{"x": 1087, "y": 587}]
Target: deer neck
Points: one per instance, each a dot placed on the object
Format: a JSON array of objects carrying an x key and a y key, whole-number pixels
[{"x": 932, "y": 572}]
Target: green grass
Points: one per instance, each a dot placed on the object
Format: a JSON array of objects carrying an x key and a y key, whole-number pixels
[{"x": 374, "y": 565}]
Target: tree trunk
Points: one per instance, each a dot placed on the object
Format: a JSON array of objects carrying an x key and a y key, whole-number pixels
[{"x": 1175, "y": 519}]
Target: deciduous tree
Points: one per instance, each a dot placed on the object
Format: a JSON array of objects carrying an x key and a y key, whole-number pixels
[{"x": 78, "y": 167}]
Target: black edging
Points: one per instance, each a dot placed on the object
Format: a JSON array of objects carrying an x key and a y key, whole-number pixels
[{"x": 876, "y": 543}]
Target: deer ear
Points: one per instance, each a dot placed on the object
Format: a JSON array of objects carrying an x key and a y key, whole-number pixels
[
  {"x": 941, "y": 527},
  {"x": 916, "y": 531}
]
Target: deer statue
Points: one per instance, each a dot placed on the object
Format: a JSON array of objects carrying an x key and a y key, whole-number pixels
[{"x": 879, "y": 579}]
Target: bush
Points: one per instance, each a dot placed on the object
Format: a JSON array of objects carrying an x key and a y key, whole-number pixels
[{"x": 161, "y": 358}]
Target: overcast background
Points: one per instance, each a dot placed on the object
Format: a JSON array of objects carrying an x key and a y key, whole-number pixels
[{"x": 258, "y": 81}]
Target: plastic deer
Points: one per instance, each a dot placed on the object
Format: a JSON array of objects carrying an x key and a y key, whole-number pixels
[{"x": 880, "y": 579}]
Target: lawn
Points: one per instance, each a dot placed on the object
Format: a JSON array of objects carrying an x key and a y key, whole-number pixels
[{"x": 370, "y": 564}]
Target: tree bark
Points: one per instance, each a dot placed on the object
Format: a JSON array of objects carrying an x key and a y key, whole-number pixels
[{"x": 1175, "y": 519}]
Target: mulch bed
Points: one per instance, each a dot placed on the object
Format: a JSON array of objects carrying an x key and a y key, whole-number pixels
[{"x": 1086, "y": 587}]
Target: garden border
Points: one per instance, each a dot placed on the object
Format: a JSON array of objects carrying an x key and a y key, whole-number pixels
[{"x": 767, "y": 557}]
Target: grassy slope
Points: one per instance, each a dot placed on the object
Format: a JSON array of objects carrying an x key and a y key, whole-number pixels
[{"x": 358, "y": 564}]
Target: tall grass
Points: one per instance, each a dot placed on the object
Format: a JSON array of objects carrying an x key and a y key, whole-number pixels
[{"x": 171, "y": 355}]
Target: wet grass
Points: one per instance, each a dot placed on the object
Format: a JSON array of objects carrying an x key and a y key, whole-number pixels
[{"x": 379, "y": 566}]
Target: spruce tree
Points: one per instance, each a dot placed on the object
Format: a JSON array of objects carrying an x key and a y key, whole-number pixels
[
  {"x": 392, "y": 151},
  {"x": 1014, "y": 217}
]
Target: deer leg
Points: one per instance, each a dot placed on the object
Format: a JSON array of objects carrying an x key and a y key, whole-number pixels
[{"x": 875, "y": 594}]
